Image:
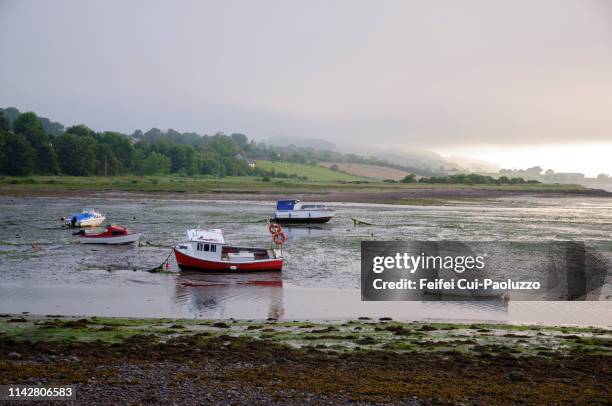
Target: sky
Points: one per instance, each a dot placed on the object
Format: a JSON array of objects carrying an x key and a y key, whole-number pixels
[{"x": 519, "y": 83}]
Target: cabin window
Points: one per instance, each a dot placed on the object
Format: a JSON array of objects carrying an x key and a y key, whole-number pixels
[
  {"x": 213, "y": 248},
  {"x": 199, "y": 247},
  {"x": 206, "y": 247}
]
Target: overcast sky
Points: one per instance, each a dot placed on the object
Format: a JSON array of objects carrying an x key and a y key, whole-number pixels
[{"x": 488, "y": 79}]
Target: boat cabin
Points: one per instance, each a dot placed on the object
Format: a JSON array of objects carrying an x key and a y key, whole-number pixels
[
  {"x": 295, "y": 204},
  {"x": 205, "y": 244},
  {"x": 286, "y": 205},
  {"x": 117, "y": 230}
]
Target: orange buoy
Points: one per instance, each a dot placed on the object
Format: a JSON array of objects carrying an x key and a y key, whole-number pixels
[
  {"x": 275, "y": 228},
  {"x": 279, "y": 238}
]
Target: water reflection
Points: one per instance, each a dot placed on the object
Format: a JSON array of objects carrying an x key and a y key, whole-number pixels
[
  {"x": 301, "y": 231},
  {"x": 495, "y": 308},
  {"x": 222, "y": 295}
]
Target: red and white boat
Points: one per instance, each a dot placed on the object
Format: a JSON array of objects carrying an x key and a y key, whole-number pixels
[
  {"x": 111, "y": 235},
  {"x": 205, "y": 250}
]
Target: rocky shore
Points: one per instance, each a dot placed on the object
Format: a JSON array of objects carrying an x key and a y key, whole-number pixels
[{"x": 147, "y": 361}]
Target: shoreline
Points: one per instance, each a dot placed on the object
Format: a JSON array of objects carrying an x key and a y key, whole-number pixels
[
  {"x": 430, "y": 195},
  {"x": 365, "y": 360},
  {"x": 255, "y": 189}
]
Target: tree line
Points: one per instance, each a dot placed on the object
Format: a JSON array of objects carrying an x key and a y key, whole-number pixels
[
  {"x": 468, "y": 179},
  {"x": 36, "y": 145},
  {"x": 26, "y": 149},
  {"x": 30, "y": 144},
  {"x": 269, "y": 152}
]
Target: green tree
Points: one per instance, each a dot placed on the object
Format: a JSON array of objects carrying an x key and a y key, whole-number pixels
[
  {"x": 4, "y": 132},
  {"x": 77, "y": 154},
  {"x": 410, "y": 178},
  {"x": 503, "y": 180},
  {"x": 517, "y": 181},
  {"x": 18, "y": 155},
  {"x": 106, "y": 161},
  {"x": 240, "y": 140},
  {"x": 47, "y": 162},
  {"x": 209, "y": 163},
  {"x": 121, "y": 146},
  {"x": 11, "y": 113},
  {"x": 223, "y": 145},
  {"x": 137, "y": 165},
  {"x": 157, "y": 164},
  {"x": 29, "y": 125},
  {"x": 179, "y": 156},
  {"x": 81, "y": 130},
  {"x": 3, "y": 139},
  {"x": 5, "y": 126}
]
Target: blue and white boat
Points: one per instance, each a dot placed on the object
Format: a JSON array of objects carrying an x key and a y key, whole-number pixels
[
  {"x": 294, "y": 211},
  {"x": 86, "y": 218}
]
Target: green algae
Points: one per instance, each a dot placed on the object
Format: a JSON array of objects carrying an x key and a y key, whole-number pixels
[{"x": 481, "y": 339}]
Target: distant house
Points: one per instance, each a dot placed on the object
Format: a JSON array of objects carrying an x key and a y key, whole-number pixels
[{"x": 250, "y": 164}]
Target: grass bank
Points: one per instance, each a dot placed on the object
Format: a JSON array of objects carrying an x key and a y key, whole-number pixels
[
  {"x": 253, "y": 188},
  {"x": 372, "y": 361},
  {"x": 245, "y": 184}
]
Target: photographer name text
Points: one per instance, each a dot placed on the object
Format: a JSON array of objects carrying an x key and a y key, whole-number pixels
[
  {"x": 451, "y": 284},
  {"x": 409, "y": 264}
]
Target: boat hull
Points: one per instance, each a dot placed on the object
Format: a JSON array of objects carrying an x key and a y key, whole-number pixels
[
  {"x": 118, "y": 240},
  {"x": 303, "y": 220},
  {"x": 303, "y": 216},
  {"x": 188, "y": 262}
]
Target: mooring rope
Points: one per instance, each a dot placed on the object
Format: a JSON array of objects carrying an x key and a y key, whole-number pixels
[{"x": 160, "y": 267}]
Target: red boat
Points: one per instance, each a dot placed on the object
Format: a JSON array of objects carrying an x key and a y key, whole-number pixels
[
  {"x": 110, "y": 235},
  {"x": 205, "y": 250}
]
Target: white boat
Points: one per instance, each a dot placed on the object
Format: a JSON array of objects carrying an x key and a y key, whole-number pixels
[
  {"x": 294, "y": 211},
  {"x": 111, "y": 235},
  {"x": 87, "y": 218}
]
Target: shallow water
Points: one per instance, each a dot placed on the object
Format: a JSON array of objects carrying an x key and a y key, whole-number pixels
[{"x": 44, "y": 270}]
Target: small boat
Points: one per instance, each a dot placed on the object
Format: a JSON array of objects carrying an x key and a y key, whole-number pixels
[
  {"x": 205, "y": 250},
  {"x": 294, "y": 211},
  {"x": 87, "y": 218},
  {"x": 111, "y": 235}
]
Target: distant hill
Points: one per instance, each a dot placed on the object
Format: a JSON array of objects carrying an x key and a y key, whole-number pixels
[
  {"x": 428, "y": 163},
  {"x": 314, "y": 143},
  {"x": 473, "y": 165},
  {"x": 416, "y": 158}
]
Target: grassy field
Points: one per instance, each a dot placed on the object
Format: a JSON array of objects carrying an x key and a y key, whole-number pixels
[
  {"x": 368, "y": 171},
  {"x": 312, "y": 172},
  {"x": 192, "y": 184}
]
